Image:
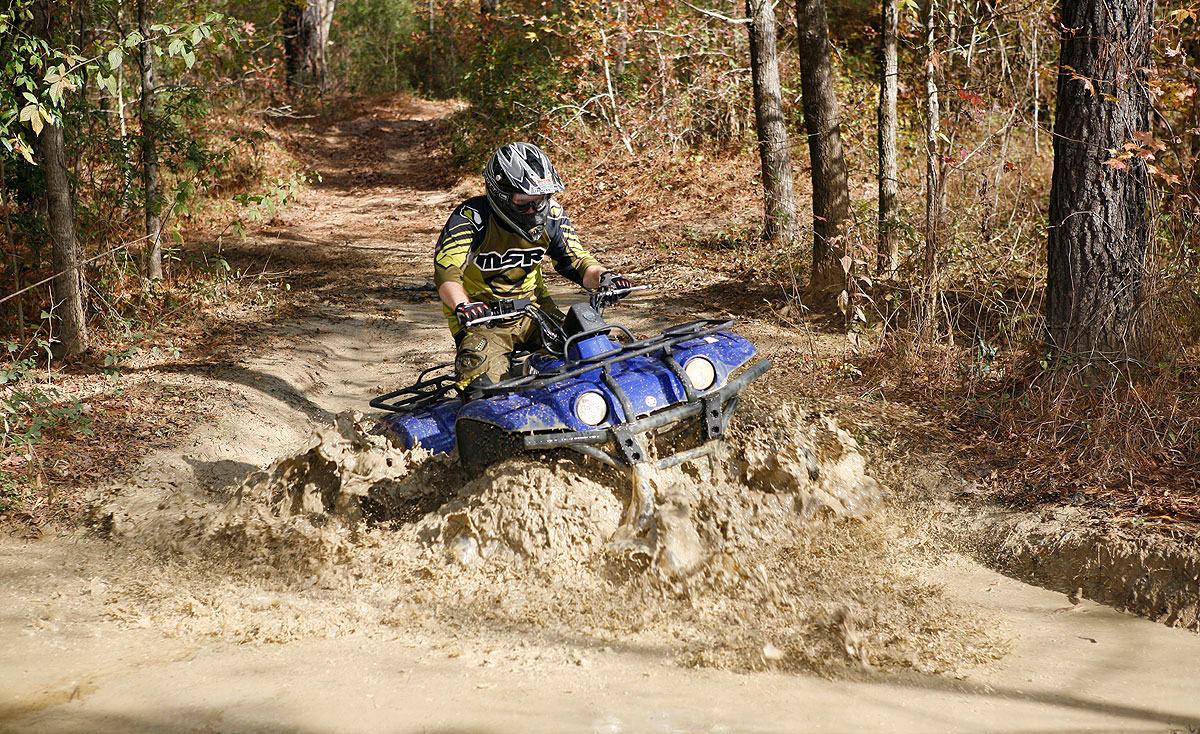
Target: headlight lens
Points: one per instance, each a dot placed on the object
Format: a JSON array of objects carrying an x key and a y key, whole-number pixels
[
  {"x": 701, "y": 372},
  {"x": 591, "y": 408}
]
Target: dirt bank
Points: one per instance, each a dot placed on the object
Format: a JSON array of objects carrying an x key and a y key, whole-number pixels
[{"x": 1145, "y": 573}]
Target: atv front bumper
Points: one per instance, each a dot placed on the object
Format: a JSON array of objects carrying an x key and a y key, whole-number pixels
[{"x": 627, "y": 442}]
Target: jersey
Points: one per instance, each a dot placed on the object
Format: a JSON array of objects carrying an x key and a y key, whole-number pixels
[{"x": 493, "y": 262}]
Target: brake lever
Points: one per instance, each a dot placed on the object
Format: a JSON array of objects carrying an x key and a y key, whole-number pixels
[{"x": 603, "y": 298}]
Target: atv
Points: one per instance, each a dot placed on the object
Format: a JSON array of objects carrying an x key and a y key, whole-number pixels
[{"x": 592, "y": 388}]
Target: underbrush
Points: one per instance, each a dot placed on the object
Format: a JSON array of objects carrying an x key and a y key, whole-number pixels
[
  {"x": 1121, "y": 440},
  {"x": 57, "y": 420}
]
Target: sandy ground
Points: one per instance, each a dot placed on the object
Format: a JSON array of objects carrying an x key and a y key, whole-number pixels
[{"x": 286, "y": 626}]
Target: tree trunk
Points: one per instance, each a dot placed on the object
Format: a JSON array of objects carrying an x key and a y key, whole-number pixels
[
  {"x": 67, "y": 290},
  {"x": 1098, "y": 222},
  {"x": 306, "y": 26},
  {"x": 889, "y": 182},
  {"x": 933, "y": 178},
  {"x": 150, "y": 149},
  {"x": 780, "y": 210},
  {"x": 831, "y": 194},
  {"x": 620, "y": 37},
  {"x": 68, "y": 282},
  {"x": 12, "y": 245}
]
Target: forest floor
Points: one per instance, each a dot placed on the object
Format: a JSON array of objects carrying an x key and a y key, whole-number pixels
[{"x": 189, "y": 605}]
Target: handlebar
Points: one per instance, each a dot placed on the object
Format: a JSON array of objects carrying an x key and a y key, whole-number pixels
[
  {"x": 502, "y": 310},
  {"x": 506, "y": 309},
  {"x": 602, "y": 297}
]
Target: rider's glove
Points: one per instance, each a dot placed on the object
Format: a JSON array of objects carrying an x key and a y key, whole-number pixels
[
  {"x": 470, "y": 311},
  {"x": 615, "y": 282}
]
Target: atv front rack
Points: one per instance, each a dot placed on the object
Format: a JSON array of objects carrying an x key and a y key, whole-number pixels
[
  {"x": 715, "y": 409},
  {"x": 431, "y": 386}
]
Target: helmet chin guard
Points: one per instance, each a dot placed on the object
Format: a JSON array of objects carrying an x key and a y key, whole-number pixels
[{"x": 521, "y": 168}]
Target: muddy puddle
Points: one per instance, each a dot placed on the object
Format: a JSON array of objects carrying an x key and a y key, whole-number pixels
[{"x": 780, "y": 553}]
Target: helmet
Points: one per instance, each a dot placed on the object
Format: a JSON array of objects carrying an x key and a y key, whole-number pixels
[{"x": 521, "y": 168}]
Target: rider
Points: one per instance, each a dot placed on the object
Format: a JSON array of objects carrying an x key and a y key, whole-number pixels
[{"x": 492, "y": 248}]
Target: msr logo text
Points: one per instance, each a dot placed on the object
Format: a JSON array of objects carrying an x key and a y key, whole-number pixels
[{"x": 511, "y": 259}]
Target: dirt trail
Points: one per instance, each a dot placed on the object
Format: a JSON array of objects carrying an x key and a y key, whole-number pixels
[{"x": 492, "y": 604}]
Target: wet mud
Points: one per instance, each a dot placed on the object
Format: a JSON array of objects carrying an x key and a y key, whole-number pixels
[{"x": 779, "y": 553}]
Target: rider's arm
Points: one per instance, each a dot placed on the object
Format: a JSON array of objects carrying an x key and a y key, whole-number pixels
[
  {"x": 591, "y": 277},
  {"x": 570, "y": 259},
  {"x": 463, "y": 230},
  {"x": 452, "y": 293}
]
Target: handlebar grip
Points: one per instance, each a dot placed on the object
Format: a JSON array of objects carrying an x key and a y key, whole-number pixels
[
  {"x": 488, "y": 319},
  {"x": 502, "y": 310}
]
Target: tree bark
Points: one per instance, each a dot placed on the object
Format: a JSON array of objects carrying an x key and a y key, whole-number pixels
[
  {"x": 620, "y": 37},
  {"x": 1096, "y": 253},
  {"x": 831, "y": 193},
  {"x": 150, "y": 148},
  {"x": 306, "y": 26},
  {"x": 773, "y": 150},
  {"x": 889, "y": 181},
  {"x": 67, "y": 290},
  {"x": 12, "y": 244},
  {"x": 68, "y": 282},
  {"x": 933, "y": 178}
]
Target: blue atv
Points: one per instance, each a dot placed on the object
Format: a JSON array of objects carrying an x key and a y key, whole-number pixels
[{"x": 592, "y": 388}]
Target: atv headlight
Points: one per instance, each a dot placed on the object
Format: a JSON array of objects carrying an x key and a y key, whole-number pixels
[
  {"x": 701, "y": 372},
  {"x": 591, "y": 408}
]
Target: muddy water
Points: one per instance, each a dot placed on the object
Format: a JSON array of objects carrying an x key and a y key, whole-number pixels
[{"x": 777, "y": 553}]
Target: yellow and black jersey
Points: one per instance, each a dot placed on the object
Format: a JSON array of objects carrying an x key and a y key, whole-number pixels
[{"x": 492, "y": 262}]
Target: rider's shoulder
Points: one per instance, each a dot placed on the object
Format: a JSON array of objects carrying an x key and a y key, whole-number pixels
[
  {"x": 474, "y": 210},
  {"x": 556, "y": 213}
]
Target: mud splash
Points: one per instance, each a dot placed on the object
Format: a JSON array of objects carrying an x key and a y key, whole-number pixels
[{"x": 777, "y": 553}]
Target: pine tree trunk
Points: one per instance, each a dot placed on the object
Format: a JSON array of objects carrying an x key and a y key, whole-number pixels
[
  {"x": 306, "y": 25},
  {"x": 1098, "y": 213},
  {"x": 889, "y": 181},
  {"x": 150, "y": 149},
  {"x": 831, "y": 193},
  {"x": 68, "y": 282},
  {"x": 776, "y": 158}
]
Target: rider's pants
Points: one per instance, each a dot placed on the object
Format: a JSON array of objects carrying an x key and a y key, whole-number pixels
[{"x": 484, "y": 351}]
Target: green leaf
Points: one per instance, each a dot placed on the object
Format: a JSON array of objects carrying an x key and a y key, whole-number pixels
[
  {"x": 29, "y": 111},
  {"x": 115, "y": 57},
  {"x": 176, "y": 47},
  {"x": 197, "y": 36},
  {"x": 189, "y": 58}
]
